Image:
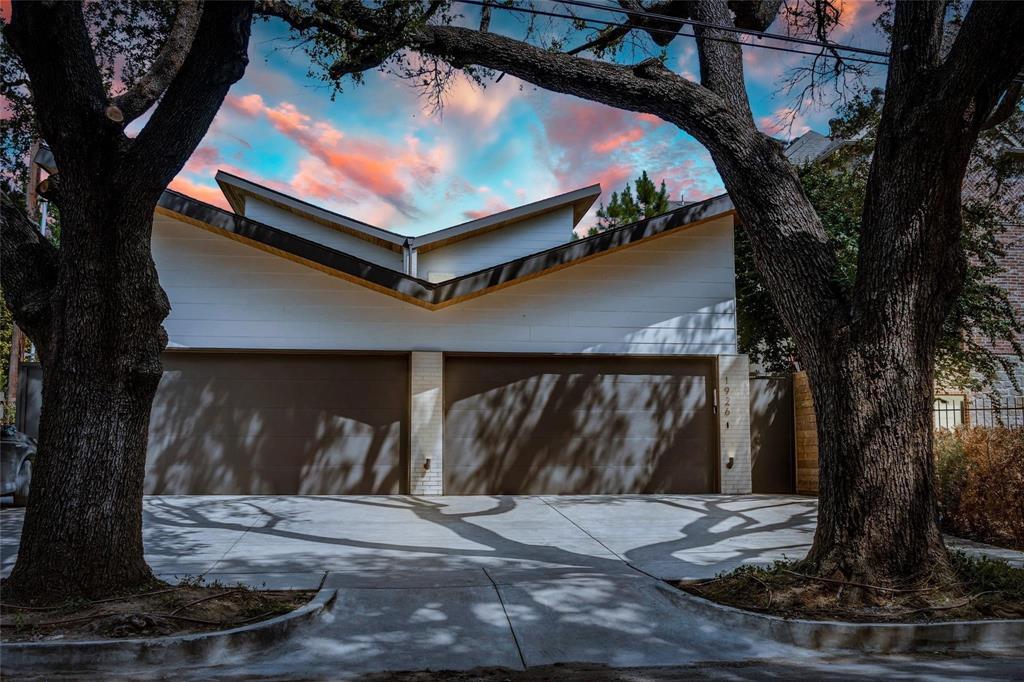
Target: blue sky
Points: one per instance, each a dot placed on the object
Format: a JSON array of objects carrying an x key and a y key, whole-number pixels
[{"x": 379, "y": 154}]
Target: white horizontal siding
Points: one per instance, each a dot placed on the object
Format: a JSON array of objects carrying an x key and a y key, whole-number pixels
[
  {"x": 500, "y": 246},
  {"x": 672, "y": 295},
  {"x": 269, "y": 214}
]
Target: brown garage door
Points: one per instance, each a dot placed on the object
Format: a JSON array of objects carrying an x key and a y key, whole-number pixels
[
  {"x": 255, "y": 423},
  {"x": 549, "y": 425}
]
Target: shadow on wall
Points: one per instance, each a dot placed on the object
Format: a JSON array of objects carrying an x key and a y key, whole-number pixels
[
  {"x": 532, "y": 425},
  {"x": 255, "y": 423},
  {"x": 771, "y": 434}
]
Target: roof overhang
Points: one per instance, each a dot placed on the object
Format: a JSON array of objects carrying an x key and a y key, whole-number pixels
[
  {"x": 420, "y": 292},
  {"x": 237, "y": 190},
  {"x": 580, "y": 200}
]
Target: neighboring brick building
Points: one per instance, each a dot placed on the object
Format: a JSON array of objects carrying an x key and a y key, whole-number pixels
[{"x": 1012, "y": 281}]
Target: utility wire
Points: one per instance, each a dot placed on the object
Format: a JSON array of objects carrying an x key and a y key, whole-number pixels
[
  {"x": 665, "y": 31},
  {"x": 700, "y": 24},
  {"x": 647, "y": 14}
]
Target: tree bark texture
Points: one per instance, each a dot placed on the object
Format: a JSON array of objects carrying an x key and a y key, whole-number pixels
[{"x": 95, "y": 307}]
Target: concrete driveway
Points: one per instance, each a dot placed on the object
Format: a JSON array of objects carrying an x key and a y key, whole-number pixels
[{"x": 461, "y": 582}]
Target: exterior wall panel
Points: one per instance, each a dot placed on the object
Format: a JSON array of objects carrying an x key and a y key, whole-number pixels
[
  {"x": 274, "y": 216},
  {"x": 640, "y": 300},
  {"x": 499, "y": 246}
]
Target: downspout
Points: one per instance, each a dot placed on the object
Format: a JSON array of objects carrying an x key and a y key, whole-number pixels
[{"x": 408, "y": 258}]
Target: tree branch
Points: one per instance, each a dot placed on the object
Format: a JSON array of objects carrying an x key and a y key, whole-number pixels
[
  {"x": 916, "y": 42},
  {"x": 1008, "y": 104},
  {"x": 721, "y": 62},
  {"x": 485, "y": 17},
  {"x": 986, "y": 57},
  {"x": 28, "y": 270},
  {"x": 141, "y": 96},
  {"x": 756, "y": 15},
  {"x": 216, "y": 60},
  {"x": 301, "y": 21},
  {"x": 67, "y": 90}
]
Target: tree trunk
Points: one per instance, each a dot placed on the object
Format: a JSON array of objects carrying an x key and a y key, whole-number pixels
[
  {"x": 101, "y": 366},
  {"x": 877, "y": 519},
  {"x": 870, "y": 362}
]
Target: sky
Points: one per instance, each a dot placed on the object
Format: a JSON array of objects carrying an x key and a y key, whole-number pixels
[{"x": 378, "y": 153}]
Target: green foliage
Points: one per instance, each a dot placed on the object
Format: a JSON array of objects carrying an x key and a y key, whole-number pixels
[
  {"x": 983, "y": 314},
  {"x": 985, "y": 574},
  {"x": 623, "y": 208}
]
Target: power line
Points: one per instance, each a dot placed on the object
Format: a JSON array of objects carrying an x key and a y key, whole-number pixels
[
  {"x": 664, "y": 31},
  {"x": 647, "y": 14},
  {"x": 700, "y": 24}
]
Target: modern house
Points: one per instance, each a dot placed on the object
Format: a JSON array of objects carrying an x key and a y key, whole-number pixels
[{"x": 311, "y": 353}]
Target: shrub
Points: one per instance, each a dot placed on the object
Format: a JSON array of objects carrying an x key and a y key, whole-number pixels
[{"x": 980, "y": 483}]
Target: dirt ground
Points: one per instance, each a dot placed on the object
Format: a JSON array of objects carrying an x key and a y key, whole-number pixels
[
  {"x": 164, "y": 610},
  {"x": 982, "y": 589}
]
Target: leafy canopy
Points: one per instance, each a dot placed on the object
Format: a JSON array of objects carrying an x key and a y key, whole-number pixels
[{"x": 983, "y": 317}]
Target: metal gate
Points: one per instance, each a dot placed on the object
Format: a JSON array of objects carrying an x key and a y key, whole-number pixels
[{"x": 771, "y": 434}]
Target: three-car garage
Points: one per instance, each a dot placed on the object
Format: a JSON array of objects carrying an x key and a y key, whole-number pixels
[{"x": 337, "y": 423}]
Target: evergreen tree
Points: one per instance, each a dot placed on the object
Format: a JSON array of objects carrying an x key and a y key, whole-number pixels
[{"x": 623, "y": 209}]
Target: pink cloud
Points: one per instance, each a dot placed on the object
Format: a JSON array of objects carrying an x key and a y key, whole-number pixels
[
  {"x": 613, "y": 178},
  {"x": 5, "y": 10},
  {"x": 206, "y": 193},
  {"x": 203, "y": 161},
  {"x": 784, "y": 121},
  {"x": 353, "y": 167},
  {"x": 484, "y": 105},
  {"x": 617, "y": 140},
  {"x": 650, "y": 119},
  {"x": 491, "y": 206},
  {"x": 248, "y": 105},
  {"x": 857, "y": 15}
]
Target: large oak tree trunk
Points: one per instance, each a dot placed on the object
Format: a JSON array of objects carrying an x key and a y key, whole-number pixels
[
  {"x": 101, "y": 368},
  {"x": 94, "y": 307},
  {"x": 870, "y": 361},
  {"x": 876, "y": 516}
]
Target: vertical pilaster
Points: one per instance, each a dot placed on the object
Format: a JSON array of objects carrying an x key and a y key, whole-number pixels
[
  {"x": 734, "y": 423},
  {"x": 426, "y": 427}
]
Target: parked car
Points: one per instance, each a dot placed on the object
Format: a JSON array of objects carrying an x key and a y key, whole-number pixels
[{"x": 16, "y": 454}]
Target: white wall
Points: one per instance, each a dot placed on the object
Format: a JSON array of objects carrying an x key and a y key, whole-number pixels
[
  {"x": 674, "y": 294},
  {"x": 499, "y": 246},
  {"x": 269, "y": 214}
]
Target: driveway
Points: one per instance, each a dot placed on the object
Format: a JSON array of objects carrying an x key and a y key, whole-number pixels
[{"x": 461, "y": 582}]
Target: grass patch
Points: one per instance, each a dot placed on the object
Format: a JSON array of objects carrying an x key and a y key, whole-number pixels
[
  {"x": 984, "y": 589},
  {"x": 191, "y": 606}
]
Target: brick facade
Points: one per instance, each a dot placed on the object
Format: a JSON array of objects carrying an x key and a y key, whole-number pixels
[
  {"x": 734, "y": 424},
  {"x": 1012, "y": 281},
  {"x": 805, "y": 436},
  {"x": 426, "y": 423}
]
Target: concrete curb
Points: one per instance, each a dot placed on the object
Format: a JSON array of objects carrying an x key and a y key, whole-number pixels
[
  {"x": 963, "y": 636},
  {"x": 197, "y": 648}
]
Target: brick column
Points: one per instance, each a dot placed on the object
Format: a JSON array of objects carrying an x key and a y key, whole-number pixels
[
  {"x": 426, "y": 423},
  {"x": 805, "y": 433},
  {"x": 734, "y": 423}
]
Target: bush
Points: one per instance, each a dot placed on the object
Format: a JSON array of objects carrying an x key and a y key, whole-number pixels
[{"x": 980, "y": 484}]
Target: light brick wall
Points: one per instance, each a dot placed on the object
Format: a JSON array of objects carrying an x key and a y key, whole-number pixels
[
  {"x": 734, "y": 423},
  {"x": 426, "y": 423},
  {"x": 805, "y": 433}
]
